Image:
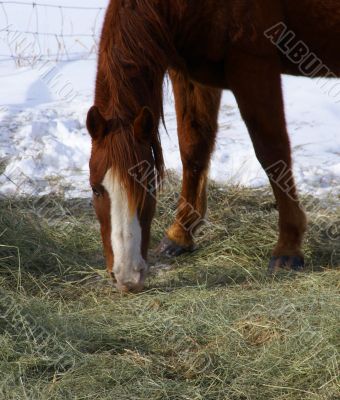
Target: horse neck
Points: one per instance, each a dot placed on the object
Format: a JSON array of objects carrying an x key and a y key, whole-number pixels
[{"x": 134, "y": 51}]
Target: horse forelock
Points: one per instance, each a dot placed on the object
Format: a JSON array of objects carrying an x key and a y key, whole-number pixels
[{"x": 127, "y": 159}]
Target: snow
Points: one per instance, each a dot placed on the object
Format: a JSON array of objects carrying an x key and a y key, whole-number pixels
[{"x": 44, "y": 146}]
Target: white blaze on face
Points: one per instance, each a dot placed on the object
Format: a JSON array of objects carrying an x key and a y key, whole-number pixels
[{"x": 126, "y": 235}]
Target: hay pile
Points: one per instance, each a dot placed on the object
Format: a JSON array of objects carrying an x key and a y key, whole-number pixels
[{"x": 210, "y": 326}]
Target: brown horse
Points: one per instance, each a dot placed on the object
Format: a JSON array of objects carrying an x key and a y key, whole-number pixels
[{"x": 206, "y": 46}]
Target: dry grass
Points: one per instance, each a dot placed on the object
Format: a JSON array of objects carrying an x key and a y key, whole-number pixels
[{"x": 210, "y": 326}]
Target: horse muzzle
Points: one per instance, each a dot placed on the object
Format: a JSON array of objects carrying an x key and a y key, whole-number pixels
[{"x": 130, "y": 279}]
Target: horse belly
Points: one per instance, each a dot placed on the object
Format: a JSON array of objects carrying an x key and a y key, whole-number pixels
[
  {"x": 317, "y": 24},
  {"x": 208, "y": 73}
]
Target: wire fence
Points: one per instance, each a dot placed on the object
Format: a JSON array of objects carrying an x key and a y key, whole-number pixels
[
  {"x": 40, "y": 31},
  {"x": 37, "y": 4}
]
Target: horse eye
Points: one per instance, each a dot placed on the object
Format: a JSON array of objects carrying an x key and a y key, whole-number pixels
[{"x": 96, "y": 192}]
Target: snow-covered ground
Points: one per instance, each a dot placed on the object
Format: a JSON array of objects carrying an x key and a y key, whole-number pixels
[{"x": 44, "y": 146}]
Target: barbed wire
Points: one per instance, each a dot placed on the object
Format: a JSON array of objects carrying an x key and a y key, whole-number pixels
[
  {"x": 48, "y": 57},
  {"x": 34, "y": 4},
  {"x": 27, "y": 45},
  {"x": 50, "y": 33}
]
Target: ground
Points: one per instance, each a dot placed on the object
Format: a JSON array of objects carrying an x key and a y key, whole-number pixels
[{"x": 211, "y": 325}]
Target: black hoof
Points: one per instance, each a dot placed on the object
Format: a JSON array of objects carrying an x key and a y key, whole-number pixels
[
  {"x": 286, "y": 263},
  {"x": 169, "y": 248}
]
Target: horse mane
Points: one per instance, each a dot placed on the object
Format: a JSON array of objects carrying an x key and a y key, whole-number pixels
[{"x": 133, "y": 57}]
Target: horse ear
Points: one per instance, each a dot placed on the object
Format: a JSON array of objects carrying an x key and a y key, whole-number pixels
[
  {"x": 96, "y": 124},
  {"x": 144, "y": 125}
]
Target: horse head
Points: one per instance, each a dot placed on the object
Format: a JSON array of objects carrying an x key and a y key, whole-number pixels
[{"x": 125, "y": 168}]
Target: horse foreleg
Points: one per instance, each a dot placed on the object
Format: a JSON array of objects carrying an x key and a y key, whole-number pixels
[
  {"x": 197, "y": 118},
  {"x": 256, "y": 84}
]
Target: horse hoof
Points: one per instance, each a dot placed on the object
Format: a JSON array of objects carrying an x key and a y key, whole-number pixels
[
  {"x": 169, "y": 248},
  {"x": 286, "y": 263}
]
